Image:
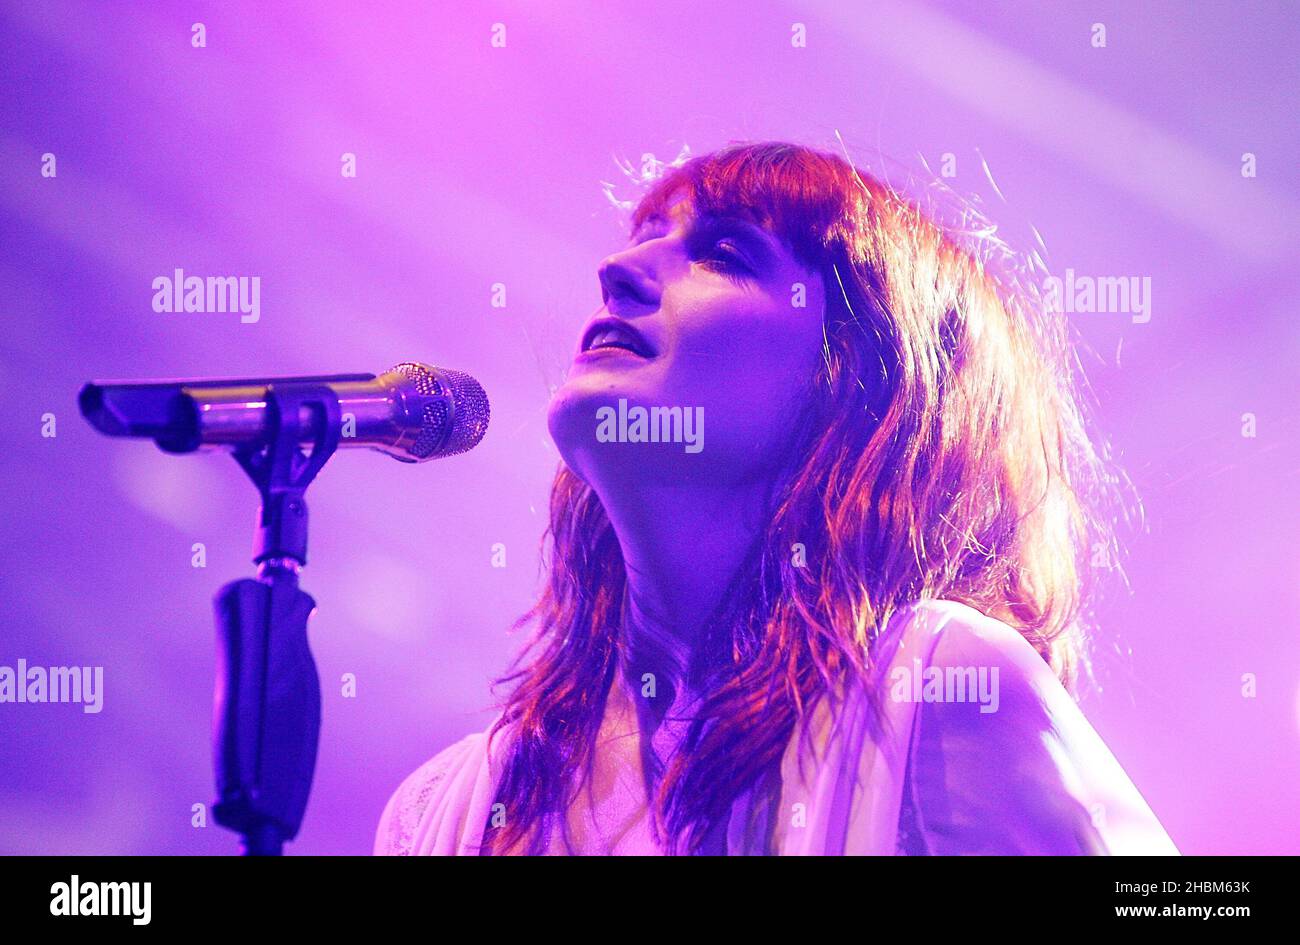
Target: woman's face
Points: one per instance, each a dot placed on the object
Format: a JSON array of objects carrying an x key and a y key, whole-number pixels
[{"x": 713, "y": 319}]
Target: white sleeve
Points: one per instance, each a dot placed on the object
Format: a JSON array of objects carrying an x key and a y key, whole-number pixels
[
  {"x": 1025, "y": 773},
  {"x": 400, "y": 821}
]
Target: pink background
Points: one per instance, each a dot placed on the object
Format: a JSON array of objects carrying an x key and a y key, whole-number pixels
[{"x": 481, "y": 165}]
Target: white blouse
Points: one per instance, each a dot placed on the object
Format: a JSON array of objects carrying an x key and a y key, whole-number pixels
[{"x": 981, "y": 751}]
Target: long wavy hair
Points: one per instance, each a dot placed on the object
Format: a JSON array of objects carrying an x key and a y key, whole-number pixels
[{"x": 943, "y": 453}]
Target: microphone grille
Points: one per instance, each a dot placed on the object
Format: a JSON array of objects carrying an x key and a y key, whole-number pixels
[{"x": 455, "y": 417}]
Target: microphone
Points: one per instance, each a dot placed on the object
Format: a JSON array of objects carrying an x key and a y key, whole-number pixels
[{"x": 413, "y": 412}]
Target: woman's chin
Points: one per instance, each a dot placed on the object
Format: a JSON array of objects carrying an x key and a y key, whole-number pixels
[
  {"x": 571, "y": 415},
  {"x": 575, "y": 417},
  {"x": 586, "y": 391}
]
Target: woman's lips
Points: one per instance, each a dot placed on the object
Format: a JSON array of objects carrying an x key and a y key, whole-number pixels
[
  {"x": 597, "y": 354},
  {"x": 614, "y": 334}
]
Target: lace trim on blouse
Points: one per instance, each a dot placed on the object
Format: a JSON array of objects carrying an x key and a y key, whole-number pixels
[{"x": 406, "y": 808}]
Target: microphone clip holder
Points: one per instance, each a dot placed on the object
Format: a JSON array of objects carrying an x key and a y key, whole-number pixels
[{"x": 267, "y": 704}]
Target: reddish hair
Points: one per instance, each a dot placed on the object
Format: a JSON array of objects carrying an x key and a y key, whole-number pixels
[{"x": 942, "y": 453}]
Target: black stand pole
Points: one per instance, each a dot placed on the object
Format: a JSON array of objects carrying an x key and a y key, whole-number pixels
[{"x": 266, "y": 719}]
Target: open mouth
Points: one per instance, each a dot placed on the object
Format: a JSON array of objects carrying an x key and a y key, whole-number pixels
[{"x": 615, "y": 333}]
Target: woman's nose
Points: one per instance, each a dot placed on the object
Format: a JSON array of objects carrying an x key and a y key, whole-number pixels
[{"x": 624, "y": 278}]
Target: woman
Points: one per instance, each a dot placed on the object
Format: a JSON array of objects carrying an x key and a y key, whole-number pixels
[{"x": 841, "y": 623}]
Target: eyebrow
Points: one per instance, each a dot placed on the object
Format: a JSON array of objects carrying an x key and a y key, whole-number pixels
[
  {"x": 757, "y": 239},
  {"x": 654, "y": 219}
]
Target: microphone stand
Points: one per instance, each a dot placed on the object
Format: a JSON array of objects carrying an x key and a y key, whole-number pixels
[{"x": 267, "y": 703}]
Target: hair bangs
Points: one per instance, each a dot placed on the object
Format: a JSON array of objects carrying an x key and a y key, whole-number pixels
[{"x": 797, "y": 194}]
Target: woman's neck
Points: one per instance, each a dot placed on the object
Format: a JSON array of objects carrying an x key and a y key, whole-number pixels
[{"x": 682, "y": 547}]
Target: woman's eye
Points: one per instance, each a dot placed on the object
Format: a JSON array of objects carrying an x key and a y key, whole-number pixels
[{"x": 725, "y": 251}]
